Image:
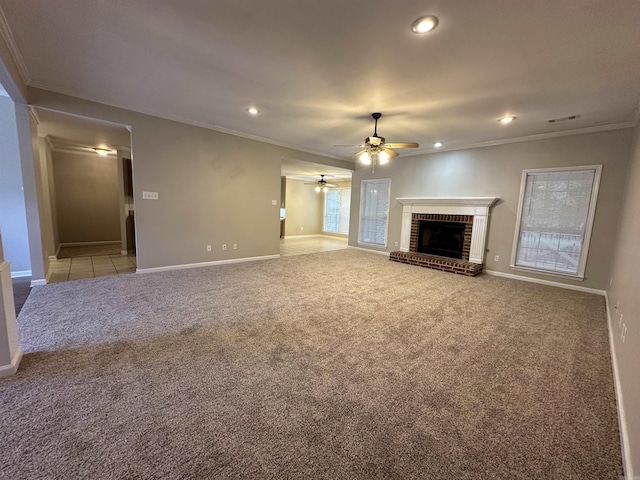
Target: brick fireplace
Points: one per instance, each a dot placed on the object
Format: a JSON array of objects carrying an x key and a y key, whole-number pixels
[{"x": 473, "y": 212}]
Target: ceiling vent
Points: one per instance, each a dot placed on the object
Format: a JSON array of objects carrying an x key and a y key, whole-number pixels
[{"x": 563, "y": 119}]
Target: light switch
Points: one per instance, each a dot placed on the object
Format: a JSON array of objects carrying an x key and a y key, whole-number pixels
[
  {"x": 274, "y": 202},
  {"x": 150, "y": 195}
]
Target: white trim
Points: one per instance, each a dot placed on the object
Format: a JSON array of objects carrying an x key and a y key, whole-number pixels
[
  {"x": 369, "y": 250},
  {"x": 124, "y": 252},
  {"x": 9, "y": 39},
  {"x": 568, "y": 276},
  {"x": 205, "y": 264},
  {"x": 622, "y": 417},
  {"x": 88, "y": 244},
  {"x": 478, "y": 207},
  {"x": 304, "y": 236},
  {"x": 468, "y": 204},
  {"x": 21, "y": 274},
  {"x": 12, "y": 368},
  {"x": 52, "y": 258},
  {"x": 38, "y": 283},
  {"x": 36, "y": 118},
  {"x": 525, "y": 138},
  {"x": 593, "y": 201},
  {"x": 567, "y": 286}
]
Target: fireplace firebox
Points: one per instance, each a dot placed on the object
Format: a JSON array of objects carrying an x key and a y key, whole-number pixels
[{"x": 445, "y": 239}]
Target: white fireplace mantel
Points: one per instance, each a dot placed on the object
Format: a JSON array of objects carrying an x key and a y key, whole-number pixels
[{"x": 478, "y": 207}]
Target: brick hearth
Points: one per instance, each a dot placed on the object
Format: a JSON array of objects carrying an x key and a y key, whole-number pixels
[
  {"x": 453, "y": 265},
  {"x": 446, "y": 264}
]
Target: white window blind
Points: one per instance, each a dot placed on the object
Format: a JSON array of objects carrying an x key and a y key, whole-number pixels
[
  {"x": 336, "y": 210},
  {"x": 556, "y": 213},
  {"x": 374, "y": 211}
]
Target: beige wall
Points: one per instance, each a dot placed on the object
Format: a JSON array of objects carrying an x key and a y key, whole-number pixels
[
  {"x": 496, "y": 172},
  {"x": 87, "y": 201},
  {"x": 623, "y": 294},
  {"x": 213, "y": 188},
  {"x": 305, "y": 208}
]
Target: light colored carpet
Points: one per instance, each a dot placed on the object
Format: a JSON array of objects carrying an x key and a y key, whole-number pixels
[{"x": 331, "y": 365}]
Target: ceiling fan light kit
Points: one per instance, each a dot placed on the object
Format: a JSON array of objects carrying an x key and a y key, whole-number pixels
[
  {"x": 377, "y": 151},
  {"x": 321, "y": 185}
]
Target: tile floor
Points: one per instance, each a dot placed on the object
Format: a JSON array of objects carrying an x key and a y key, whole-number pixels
[
  {"x": 94, "y": 266},
  {"x": 301, "y": 246}
]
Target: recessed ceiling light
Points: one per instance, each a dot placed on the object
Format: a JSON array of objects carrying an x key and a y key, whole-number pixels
[
  {"x": 253, "y": 110},
  {"x": 437, "y": 144},
  {"x": 424, "y": 24},
  {"x": 507, "y": 119}
]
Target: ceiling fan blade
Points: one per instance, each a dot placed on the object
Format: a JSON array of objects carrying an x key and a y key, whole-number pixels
[
  {"x": 330, "y": 185},
  {"x": 351, "y": 146},
  {"x": 310, "y": 183},
  {"x": 402, "y": 145},
  {"x": 390, "y": 152},
  {"x": 356, "y": 155}
]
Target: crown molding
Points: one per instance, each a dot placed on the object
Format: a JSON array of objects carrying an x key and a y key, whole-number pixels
[
  {"x": 527, "y": 138},
  {"x": 209, "y": 126},
  {"x": 76, "y": 150},
  {"x": 34, "y": 114},
  {"x": 47, "y": 139},
  {"x": 9, "y": 39},
  {"x": 179, "y": 119}
]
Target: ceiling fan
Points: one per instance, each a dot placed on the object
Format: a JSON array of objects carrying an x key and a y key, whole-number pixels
[
  {"x": 377, "y": 150},
  {"x": 321, "y": 185}
]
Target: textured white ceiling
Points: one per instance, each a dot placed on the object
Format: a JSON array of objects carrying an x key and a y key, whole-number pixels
[{"x": 317, "y": 70}]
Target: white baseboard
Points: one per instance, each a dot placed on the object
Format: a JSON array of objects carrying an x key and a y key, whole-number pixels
[
  {"x": 53, "y": 258},
  {"x": 545, "y": 282},
  {"x": 303, "y": 236},
  {"x": 124, "y": 252},
  {"x": 20, "y": 274},
  {"x": 205, "y": 264},
  {"x": 38, "y": 283},
  {"x": 12, "y": 368},
  {"x": 89, "y": 244},
  {"x": 622, "y": 418},
  {"x": 369, "y": 250}
]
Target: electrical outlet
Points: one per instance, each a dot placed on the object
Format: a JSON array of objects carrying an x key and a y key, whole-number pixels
[
  {"x": 624, "y": 332},
  {"x": 274, "y": 202},
  {"x": 224, "y": 246},
  {"x": 235, "y": 246},
  {"x": 208, "y": 248},
  {"x": 396, "y": 244},
  {"x": 496, "y": 258}
]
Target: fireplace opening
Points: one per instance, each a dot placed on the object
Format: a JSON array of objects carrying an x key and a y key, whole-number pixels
[{"x": 441, "y": 238}]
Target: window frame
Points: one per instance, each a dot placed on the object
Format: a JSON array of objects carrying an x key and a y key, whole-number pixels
[
  {"x": 593, "y": 201},
  {"x": 324, "y": 211},
  {"x": 361, "y": 207}
]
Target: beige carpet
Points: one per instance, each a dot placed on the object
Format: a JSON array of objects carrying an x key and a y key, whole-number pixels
[{"x": 332, "y": 365}]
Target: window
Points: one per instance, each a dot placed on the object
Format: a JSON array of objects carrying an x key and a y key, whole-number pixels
[
  {"x": 336, "y": 210},
  {"x": 374, "y": 212},
  {"x": 555, "y": 216}
]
